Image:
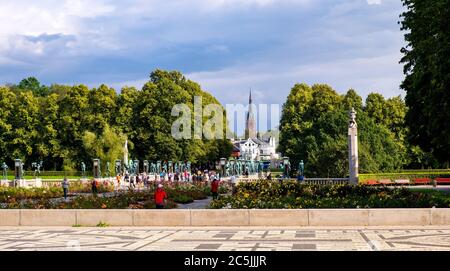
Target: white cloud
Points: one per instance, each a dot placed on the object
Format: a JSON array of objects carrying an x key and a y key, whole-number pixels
[
  {"x": 374, "y": 2},
  {"x": 88, "y": 8},
  {"x": 272, "y": 83},
  {"x": 29, "y": 18}
]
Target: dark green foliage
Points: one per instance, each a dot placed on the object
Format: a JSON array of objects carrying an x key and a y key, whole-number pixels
[
  {"x": 66, "y": 125},
  {"x": 427, "y": 68},
  {"x": 314, "y": 129}
]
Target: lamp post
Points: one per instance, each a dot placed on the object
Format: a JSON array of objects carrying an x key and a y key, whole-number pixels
[
  {"x": 96, "y": 167},
  {"x": 18, "y": 169},
  {"x": 223, "y": 161}
]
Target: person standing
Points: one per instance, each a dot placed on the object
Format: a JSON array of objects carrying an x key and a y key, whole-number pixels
[
  {"x": 132, "y": 181},
  {"x": 160, "y": 196},
  {"x": 233, "y": 184},
  {"x": 65, "y": 186},
  {"x": 118, "y": 180},
  {"x": 215, "y": 188},
  {"x": 94, "y": 187}
]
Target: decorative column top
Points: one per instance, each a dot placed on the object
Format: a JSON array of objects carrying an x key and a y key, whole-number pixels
[{"x": 352, "y": 115}]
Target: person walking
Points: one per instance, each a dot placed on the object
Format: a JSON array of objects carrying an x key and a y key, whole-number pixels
[
  {"x": 126, "y": 178},
  {"x": 65, "y": 187},
  {"x": 160, "y": 196},
  {"x": 215, "y": 188}
]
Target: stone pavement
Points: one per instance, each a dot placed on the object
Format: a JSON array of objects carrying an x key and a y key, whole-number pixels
[{"x": 225, "y": 238}]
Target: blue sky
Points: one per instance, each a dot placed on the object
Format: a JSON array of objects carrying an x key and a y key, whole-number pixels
[{"x": 228, "y": 46}]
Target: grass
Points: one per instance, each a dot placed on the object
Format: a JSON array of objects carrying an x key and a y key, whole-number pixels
[
  {"x": 102, "y": 224},
  {"x": 10, "y": 177},
  {"x": 76, "y": 225}
]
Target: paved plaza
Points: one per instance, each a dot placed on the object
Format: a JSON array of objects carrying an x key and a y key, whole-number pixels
[{"x": 224, "y": 238}]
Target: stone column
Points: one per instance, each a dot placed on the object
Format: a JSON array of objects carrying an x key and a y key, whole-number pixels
[{"x": 353, "y": 147}]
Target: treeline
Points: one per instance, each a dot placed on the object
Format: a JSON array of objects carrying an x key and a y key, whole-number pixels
[
  {"x": 66, "y": 125},
  {"x": 314, "y": 124}
]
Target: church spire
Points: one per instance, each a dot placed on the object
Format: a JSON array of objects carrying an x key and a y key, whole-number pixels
[{"x": 250, "y": 127}]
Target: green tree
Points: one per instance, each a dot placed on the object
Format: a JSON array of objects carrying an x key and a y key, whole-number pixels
[
  {"x": 152, "y": 121},
  {"x": 7, "y": 101},
  {"x": 73, "y": 122},
  {"x": 48, "y": 147},
  {"x": 352, "y": 100},
  {"x": 108, "y": 146},
  {"x": 102, "y": 105},
  {"x": 376, "y": 107},
  {"x": 23, "y": 135},
  {"x": 319, "y": 135},
  {"x": 32, "y": 84},
  {"x": 426, "y": 60}
]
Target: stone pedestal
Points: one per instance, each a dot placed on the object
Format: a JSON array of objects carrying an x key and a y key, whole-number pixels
[
  {"x": 353, "y": 149},
  {"x": 28, "y": 183}
]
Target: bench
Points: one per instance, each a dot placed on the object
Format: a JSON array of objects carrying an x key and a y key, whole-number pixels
[
  {"x": 422, "y": 181},
  {"x": 371, "y": 182},
  {"x": 442, "y": 180},
  {"x": 385, "y": 182},
  {"x": 402, "y": 181}
]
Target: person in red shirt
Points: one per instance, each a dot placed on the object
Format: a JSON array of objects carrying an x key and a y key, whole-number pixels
[
  {"x": 215, "y": 188},
  {"x": 160, "y": 196}
]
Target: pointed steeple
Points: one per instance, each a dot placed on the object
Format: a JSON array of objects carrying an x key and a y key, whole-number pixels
[{"x": 250, "y": 127}]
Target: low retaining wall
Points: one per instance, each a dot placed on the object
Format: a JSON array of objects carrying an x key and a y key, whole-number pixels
[{"x": 227, "y": 217}]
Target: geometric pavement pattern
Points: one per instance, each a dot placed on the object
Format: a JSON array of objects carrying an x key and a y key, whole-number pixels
[{"x": 225, "y": 239}]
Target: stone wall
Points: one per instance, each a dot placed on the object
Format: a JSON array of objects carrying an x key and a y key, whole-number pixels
[{"x": 225, "y": 217}]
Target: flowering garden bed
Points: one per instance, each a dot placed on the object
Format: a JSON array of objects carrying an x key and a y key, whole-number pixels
[
  {"x": 293, "y": 195},
  {"x": 51, "y": 198}
]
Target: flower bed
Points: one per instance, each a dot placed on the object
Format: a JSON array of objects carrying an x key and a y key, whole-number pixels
[
  {"x": 50, "y": 198},
  {"x": 292, "y": 195}
]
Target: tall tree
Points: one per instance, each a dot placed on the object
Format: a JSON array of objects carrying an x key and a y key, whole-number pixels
[
  {"x": 33, "y": 85},
  {"x": 427, "y": 68},
  {"x": 7, "y": 100},
  {"x": 314, "y": 129},
  {"x": 73, "y": 122},
  {"x": 108, "y": 146}
]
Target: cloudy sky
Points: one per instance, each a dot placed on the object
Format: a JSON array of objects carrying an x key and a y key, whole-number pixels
[{"x": 228, "y": 46}]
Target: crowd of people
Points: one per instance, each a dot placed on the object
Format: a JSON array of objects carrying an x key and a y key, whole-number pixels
[{"x": 141, "y": 181}]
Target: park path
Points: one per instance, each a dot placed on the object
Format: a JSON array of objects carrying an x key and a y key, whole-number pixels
[{"x": 197, "y": 204}]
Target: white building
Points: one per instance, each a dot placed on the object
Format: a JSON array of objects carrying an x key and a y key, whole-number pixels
[
  {"x": 253, "y": 148},
  {"x": 257, "y": 149}
]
